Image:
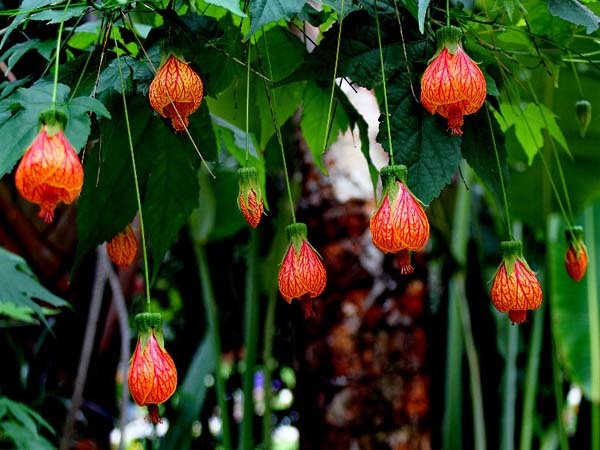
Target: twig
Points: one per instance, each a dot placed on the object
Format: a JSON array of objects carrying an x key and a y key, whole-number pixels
[
  {"x": 121, "y": 308},
  {"x": 7, "y": 73},
  {"x": 86, "y": 351}
]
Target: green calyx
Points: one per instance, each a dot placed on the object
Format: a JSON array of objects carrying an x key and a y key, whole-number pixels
[
  {"x": 296, "y": 234},
  {"x": 145, "y": 322},
  {"x": 574, "y": 236},
  {"x": 448, "y": 37},
  {"x": 248, "y": 181},
  {"x": 54, "y": 120},
  {"x": 511, "y": 252},
  {"x": 149, "y": 324},
  {"x": 390, "y": 176}
]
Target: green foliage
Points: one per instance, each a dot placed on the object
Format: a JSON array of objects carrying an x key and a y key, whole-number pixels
[
  {"x": 21, "y": 426},
  {"x": 264, "y": 12},
  {"x": 167, "y": 166},
  {"x": 420, "y": 141},
  {"x": 573, "y": 11},
  {"x": 575, "y": 306},
  {"x": 20, "y": 292},
  {"x": 21, "y": 111},
  {"x": 423, "y": 6}
]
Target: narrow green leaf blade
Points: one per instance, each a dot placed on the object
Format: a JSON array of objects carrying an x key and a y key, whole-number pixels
[
  {"x": 573, "y": 11},
  {"x": 423, "y": 5},
  {"x": 574, "y": 305}
]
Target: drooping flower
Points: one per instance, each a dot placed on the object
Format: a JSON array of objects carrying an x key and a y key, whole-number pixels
[
  {"x": 400, "y": 223},
  {"x": 152, "y": 373},
  {"x": 176, "y": 91},
  {"x": 301, "y": 274},
  {"x": 123, "y": 247},
  {"x": 50, "y": 171},
  {"x": 452, "y": 84},
  {"x": 250, "y": 199},
  {"x": 576, "y": 258},
  {"x": 515, "y": 288}
]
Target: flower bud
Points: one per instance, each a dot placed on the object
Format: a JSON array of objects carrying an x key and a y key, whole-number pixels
[
  {"x": 400, "y": 222},
  {"x": 576, "y": 259},
  {"x": 152, "y": 373},
  {"x": 250, "y": 199},
  {"x": 583, "y": 110},
  {"x": 122, "y": 248},
  {"x": 515, "y": 288},
  {"x": 301, "y": 274}
]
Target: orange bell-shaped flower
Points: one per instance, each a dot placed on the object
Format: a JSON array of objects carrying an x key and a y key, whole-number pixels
[
  {"x": 452, "y": 85},
  {"x": 400, "y": 223},
  {"x": 123, "y": 247},
  {"x": 152, "y": 373},
  {"x": 301, "y": 274},
  {"x": 49, "y": 172},
  {"x": 576, "y": 259},
  {"x": 250, "y": 199},
  {"x": 515, "y": 288},
  {"x": 176, "y": 92}
]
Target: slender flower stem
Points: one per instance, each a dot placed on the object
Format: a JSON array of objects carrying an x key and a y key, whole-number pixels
[
  {"x": 268, "y": 367},
  {"x": 500, "y": 174},
  {"x": 271, "y": 94},
  {"x": 135, "y": 179},
  {"x": 248, "y": 104},
  {"x": 335, "y": 67},
  {"x": 57, "y": 55},
  {"x": 576, "y": 75},
  {"x": 447, "y": 13},
  {"x": 555, "y": 190},
  {"x": 561, "y": 174},
  {"x": 251, "y": 341},
  {"x": 385, "y": 97}
]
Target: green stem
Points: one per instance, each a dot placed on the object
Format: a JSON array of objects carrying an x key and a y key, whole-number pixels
[
  {"x": 248, "y": 104},
  {"x": 135, "y": 180},
  {"x": 251, "y": 341},
  {"x": 269, "y": 333},
  {"x": 277, "y": 129},
  {"x": 571, "y": 218},
  {"x": 563, "y": 439},
  {"x": 447, "y": 13},
  {"x": 594, "y": 321},
  {"x": 385, "y": 97},
  {"x": 473, "y": 360},
  {"x": 335, "y": 67},
  {"x": 500, "y": 173},
  {"x": 531, "y": 379},
  {"x": 452, "y": 421},
  {"x": 57, "y": 55},
  {"x": 555, "y": 190},
  {"x": 210, "y": 306},
  {"x": 576, "y": 75}
]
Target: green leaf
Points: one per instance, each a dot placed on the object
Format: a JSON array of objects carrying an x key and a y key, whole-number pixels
[
  {"x": 315, "y": 108},
  {"x": 264, "y": 12},
  {"x": 18, "y": 285},
  {"x": 575, "y": 305},
  {"x": 420, "y": 141},
  {"x": 17, "y": 312},
  {"x": 23, "y": 124},
  {"x": 529, "y": 122},
  {"x": 232, "y": 6},
  {"x": 59, "y": 15},
  {"x": 478, "y": 151},
  {"x": 423, "y": 5},
  {"x": 574, "y": 12},
  {"x": 192, "y": 393},
  {"x": 167, "y": 172},
  {"x": 16, "y": 52}
]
